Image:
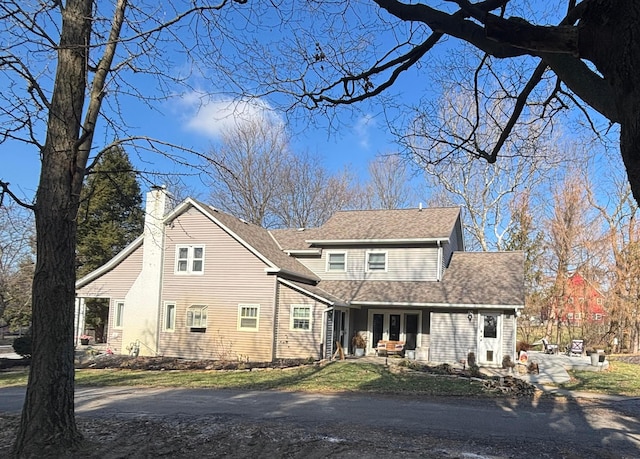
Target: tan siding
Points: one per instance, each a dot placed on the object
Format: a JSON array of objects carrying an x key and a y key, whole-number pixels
[
  {"x": 117, "y": 282},
  {"x": 232, "y": 276},
  {"x": 403, "y": 264},
  {"x": 452, "y": 336},
  {"x": 291, "y": 344}
]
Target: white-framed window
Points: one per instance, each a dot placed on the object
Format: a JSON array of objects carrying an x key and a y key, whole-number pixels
[
  {"x": 597, "y": 316},
  {"x": 197, "y": 316},
  {"x": 599, "y": 301},
  {"x": 119, "y": 314},
  {"x": 570, "y": 300},
  {"x": 248, "y": 317},
  {"x": 169, "y": 323},
  {"x": 300, "y": 317},
  {"x": 570, "y": 315},
  {"x": 189, "y": 259},
  {"x": 577, "y": 316},
  {"x": 337, "y": 261},
  {"x": 376, "y": 261}
]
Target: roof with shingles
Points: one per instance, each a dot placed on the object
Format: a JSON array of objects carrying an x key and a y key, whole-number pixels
[
  {"x": 472, "y": 279},
  {"x": 294, "y": 239},
  {"x": 260, "y": 240},
  {"x": 435, "y": 223}
]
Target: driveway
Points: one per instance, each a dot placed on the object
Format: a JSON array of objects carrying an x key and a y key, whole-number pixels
[{"x": 585, "y": 427}]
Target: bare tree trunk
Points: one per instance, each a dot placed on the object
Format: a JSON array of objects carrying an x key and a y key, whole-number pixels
[{"x": 48, "y": 423}]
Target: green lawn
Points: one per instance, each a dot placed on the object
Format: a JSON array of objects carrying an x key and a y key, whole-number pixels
[{"x": 621, "y": 379}]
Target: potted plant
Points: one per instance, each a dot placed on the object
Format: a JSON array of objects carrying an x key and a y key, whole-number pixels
[
  {"x": 359, "y": 343},
  {"x": 84, "y": 339}
]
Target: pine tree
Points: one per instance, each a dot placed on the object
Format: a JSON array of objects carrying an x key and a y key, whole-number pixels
[{"x": 110, "y": 217}]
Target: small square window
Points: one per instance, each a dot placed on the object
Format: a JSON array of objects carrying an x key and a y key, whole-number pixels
[
  {"x": 337, "y": 261},
  {"x": 189, "y": 259},
  {"x": 376, "y": 261},
  {"x": 197, "y": 316},
  {"x": 248, "y": 316},
  {"x": 301, "y": 317}
]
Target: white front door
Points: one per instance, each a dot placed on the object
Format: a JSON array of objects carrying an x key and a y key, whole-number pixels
[{"x": 490, "y": 338}]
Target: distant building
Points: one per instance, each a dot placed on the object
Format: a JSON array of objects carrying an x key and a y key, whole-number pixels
[{"x": 583, "y": 302}]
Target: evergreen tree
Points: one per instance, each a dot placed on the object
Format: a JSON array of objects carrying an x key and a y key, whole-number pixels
[{"x": 110, "y": 217}]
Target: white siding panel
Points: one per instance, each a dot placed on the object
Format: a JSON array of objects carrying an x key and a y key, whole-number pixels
[
  {"x": 232, "y": 276},
  {"x": 452, "y": 336}
]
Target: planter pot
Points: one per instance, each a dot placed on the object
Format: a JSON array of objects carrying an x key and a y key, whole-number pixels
[
  {"x": 84, "y": 342},
  {"x": 594, "y": 359},
  {"x": 359, "y": 352}
]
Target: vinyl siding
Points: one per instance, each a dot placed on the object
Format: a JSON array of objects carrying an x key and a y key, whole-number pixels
[
  {"x": 117, "y": 282},
  {"x": 509, "y": 328},
  {"x": 452, "y": 336},
  {"x": 403, "y": 264},
  {"x": 232, "y": 276},
  {"x": 291, "y": 344}
]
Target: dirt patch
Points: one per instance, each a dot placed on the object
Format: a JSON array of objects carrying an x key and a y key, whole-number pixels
[{"x": 169, "y": 363}]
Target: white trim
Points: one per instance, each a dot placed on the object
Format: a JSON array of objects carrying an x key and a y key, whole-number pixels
[
  {"x": 327, "y": 264},
  {"x": 108, "y": 266},
  {"x": 204, "y": 313},
  {"x": 376, "y": 252},
  {"x": 437, "y": 305},
  {"x": 164, "y": 316},
  {"x": 307, "y": 292},
  {"x": 240, "y": 317},
  {"x": 385, "y": 328},
  {"x": 118, "y": 314},
  {"x": 375, "y": 241},
  {"x": 189, "y": 260},
  {"x": 310, "y": 318}
]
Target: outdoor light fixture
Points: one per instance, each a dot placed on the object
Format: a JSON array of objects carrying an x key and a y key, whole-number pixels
[{"x": 470, "y": 316}]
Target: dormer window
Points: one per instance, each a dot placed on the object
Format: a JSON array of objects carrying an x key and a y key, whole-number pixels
[
  {"x": 376, "y": 261},
  {"x": 337, "y": 261}
]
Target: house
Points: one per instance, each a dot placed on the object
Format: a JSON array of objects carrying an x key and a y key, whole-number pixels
[
  {"x": 200, "y": 283},
  {"x": 583, "y": 302}
]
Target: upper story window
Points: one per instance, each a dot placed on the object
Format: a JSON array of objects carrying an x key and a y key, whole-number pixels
[
  {"x": 189, "y": 259},
  {"x": 599, "y": 300},
  {"x": 248, "y": 316},
  {"x": 376, "y": 261},
  {"x": 300, "y": 317},
  {"x": 337, "y": 261}
]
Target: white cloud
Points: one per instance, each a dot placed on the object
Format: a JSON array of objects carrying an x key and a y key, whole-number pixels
[
  {"x": 362, "y": 130},
  {"x": 211, "y": 116}
]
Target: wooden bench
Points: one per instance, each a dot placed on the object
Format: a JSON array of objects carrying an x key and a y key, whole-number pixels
[{"x": 386, "y": 347}]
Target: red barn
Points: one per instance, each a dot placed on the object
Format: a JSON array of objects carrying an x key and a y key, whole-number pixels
[{"x": 583, "y": 302}]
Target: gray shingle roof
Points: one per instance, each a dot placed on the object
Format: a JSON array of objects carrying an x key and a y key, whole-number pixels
[
  {"x": 435, "y": 223},
  {"x": 472, "y": 279},
  {"x": 294, "y": 239},
  {"x": 261, "y": 241}
]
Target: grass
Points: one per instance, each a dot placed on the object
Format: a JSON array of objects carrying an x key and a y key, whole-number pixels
[
  {"x": 620, "y": 379},
  {"x": 336, "y": 377}
]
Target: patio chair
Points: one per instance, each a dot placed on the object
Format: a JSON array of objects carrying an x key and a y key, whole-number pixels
[
  {"x": 549, "y": 348},
  {"x": 576, "y": 348}
]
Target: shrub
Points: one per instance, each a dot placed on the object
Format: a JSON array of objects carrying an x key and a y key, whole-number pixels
[{"x": 22, "y": 346}]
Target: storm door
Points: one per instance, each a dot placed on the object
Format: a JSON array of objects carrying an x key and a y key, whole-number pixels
[{"x": 489, "y": 338}]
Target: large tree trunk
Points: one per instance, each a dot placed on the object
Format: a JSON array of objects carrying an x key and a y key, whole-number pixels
[
  {"x": 48, "y": 421},
  {"x": 612, "y": 32}
]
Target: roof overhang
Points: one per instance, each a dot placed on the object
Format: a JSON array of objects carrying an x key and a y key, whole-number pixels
[
  {"x": 433, "y": 240},
  {"x": 409, "y": 304}
]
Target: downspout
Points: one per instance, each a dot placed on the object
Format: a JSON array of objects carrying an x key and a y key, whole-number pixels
[
  {"x": 440, "y": 258},
  {"x": 276, "y": 313},
  {"x": 323, "y": 332}
]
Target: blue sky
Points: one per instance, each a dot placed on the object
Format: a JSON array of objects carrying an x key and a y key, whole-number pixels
[{"x": 184, "y": 121}]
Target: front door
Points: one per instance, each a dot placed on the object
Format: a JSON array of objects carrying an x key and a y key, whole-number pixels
[{"x": 490, "y": 338}]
